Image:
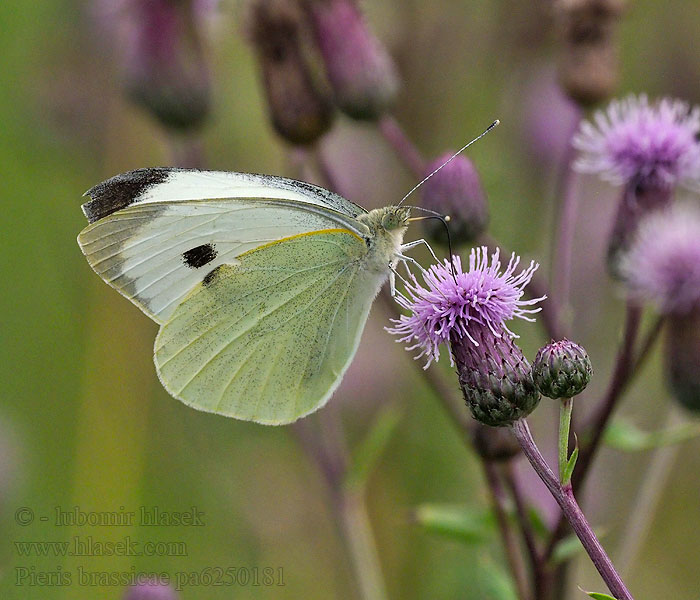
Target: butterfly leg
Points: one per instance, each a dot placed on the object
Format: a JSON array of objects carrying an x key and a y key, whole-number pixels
[
  {"x": 393, "y": 274},
  {"x": 408, "y": 259},
  {"x": 415, "y": 243}
]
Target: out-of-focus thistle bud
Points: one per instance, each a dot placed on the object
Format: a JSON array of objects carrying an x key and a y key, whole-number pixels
[
  {"x": 360, "y": 70},
  {"x": 455, "y": 190},
  {"x": 588, "y": 67},
  {"x": 561, "y": 369},
  {"x": 166, "y": 72},
  {"x": 151, "y": 590},
  {"x": 496, "y": 444},
  {"x": 550, "y": 119},
  {"x": 300, "y": 108},
  {"x": 495, "y": 377}
]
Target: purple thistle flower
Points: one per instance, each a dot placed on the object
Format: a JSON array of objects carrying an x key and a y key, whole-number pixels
[
  {"x": 663, "y": 263},
  {"x": 456, "y": 304},
  {"x": 642, "y": 144}
]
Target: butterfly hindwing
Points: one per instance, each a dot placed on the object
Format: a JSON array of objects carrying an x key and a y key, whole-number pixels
[{"x": 268, "y": 338}]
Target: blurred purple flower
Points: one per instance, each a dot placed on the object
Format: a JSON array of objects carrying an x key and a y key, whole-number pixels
[
  {"x": 152, "y": 590},
  {"x": 456, "y": 304},
  {"x": 550, "y": 118},
  {"x": 160, "y": 46},
  {"x": 643, "y": 144},
  {"x": 663, "y": 263},
  {"x": 455, "y": 190},
  {"x": 360, "y": 70}
]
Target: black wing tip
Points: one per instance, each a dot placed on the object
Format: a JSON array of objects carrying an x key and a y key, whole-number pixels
[{"x": 122, "y": 190}]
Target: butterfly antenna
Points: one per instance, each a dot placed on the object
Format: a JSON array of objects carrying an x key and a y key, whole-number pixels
[{"x": 455, "y": 155}]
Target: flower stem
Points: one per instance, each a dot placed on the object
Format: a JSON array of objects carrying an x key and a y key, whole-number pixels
[
  {"x": 360, "y": 540},
  {"x": 646, "y": 505},
  {"x": 564, "y": 234},
  {"x": 510, "y": 542},
  {"x": 566, "y": 407},
  {"x": 349, "y": 506},
  {"x": 567, "y": 502},
  {"x": 403, "y": 146}
]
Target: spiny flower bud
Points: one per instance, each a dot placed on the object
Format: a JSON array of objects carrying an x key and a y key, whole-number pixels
[
  {"x": 166, "y": 72},
  {"x": 495, "y": 377},
  {"x": 588, "y": 67},
  {"x": 683, "y": 359},
  {"x": 360, "y": 70},
  {"x": 455, "y": 190},
  {"x": 299, "y": 107},
  {"x": 496, "y": 444},
  {"x": 561, "y": 369}
]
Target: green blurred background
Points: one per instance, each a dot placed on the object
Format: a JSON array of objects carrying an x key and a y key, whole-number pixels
[{"x": 84, "y": 422}]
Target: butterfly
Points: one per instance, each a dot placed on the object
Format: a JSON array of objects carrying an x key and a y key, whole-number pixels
[{"x": 261, "y": 285}]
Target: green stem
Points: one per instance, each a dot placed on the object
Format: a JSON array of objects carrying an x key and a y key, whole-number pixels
[{"x": 567, "y": 406}]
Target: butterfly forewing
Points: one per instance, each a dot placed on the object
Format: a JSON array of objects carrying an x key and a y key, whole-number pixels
[
  {"x": 153, "y": 244},
  {"x": 267, "y": 339}
]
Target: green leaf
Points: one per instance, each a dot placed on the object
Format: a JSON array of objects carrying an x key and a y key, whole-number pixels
[
  {"x": 598, "y": 595},
  {"x": 494, "y": 582},
  {"x": 629, "y": 438},
  {"x": 366, "y": 455},
  {"x": 569, "y": 468},
  {"x": 539, "y": 525},
  {"x": 468, "y": 525}
]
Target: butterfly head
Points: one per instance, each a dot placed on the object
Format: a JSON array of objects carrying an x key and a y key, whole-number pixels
[{"x": 395, "y": 217}]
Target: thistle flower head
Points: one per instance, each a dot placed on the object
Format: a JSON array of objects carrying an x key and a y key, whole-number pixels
[
  {"x": 663, "y": 263},
  {"x": 635, "y": 142},
  {"x": 454, "y": 302}
]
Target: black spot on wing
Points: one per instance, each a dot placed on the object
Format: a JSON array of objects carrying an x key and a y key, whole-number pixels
[
  {"x": 199, "y": 256},
  {"x": 122, "y": 190},
  {"x": 210, "y": 277}
]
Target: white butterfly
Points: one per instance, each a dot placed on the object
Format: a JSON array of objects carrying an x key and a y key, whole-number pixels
[{"x": 261, "y": 285}]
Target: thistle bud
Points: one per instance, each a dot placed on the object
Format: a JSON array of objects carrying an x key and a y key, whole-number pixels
[
  {"x": 299, "y": 107},
  {"x": 683, "y": 358},
  {"x": 151, "y": 590},
  {"x": 588, "y": 67},
  {"x": 455, "y": 190},
  {"x": 495, "y": 444},
  {"x": 561, "y": 369},
  {"x": 360, "y": 70},
  {"x": 166, "y": 72},
  {"x": 495, "y": 377}
]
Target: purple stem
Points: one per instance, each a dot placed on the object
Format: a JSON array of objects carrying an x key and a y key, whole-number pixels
[
  {"x": 535, "y": 556},
  {"x": 565, "y": 498},
  {"x": 561, "y": 272},
  {"x": 402, "y": 145},
  {"x": 510, "y": 542}
]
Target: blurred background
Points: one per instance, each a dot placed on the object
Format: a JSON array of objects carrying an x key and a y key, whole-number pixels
[{"x": 84, "y": 423}]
